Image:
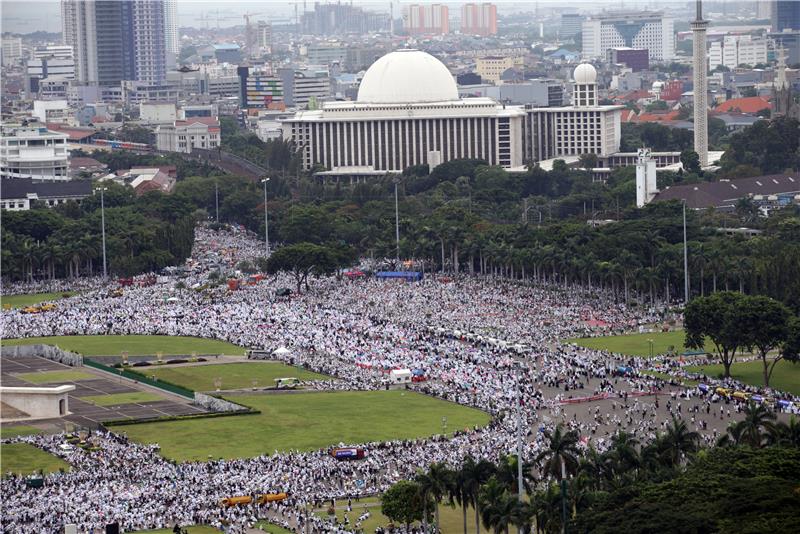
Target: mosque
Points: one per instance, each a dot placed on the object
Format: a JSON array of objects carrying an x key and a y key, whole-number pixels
[{"x": 408, "y": 112}]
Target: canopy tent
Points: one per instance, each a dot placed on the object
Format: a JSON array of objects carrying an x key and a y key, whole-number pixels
[{"x": 282, "y": 351}]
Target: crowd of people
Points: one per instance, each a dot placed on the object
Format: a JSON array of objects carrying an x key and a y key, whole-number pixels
[{"x": 478, "y": 341}]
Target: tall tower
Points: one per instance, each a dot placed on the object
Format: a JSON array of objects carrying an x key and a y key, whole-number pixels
[{"x": 699, "y": 27}]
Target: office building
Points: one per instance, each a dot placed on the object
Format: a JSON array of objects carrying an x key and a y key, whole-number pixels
[
  {"x": 292, "y": 87},
  {"x": 426, "y": 19},
  {"x": 53, "y": 51},
  {"x": 52, "y": 111},
  {"x": 33, "y": 152},
  {"x": 735, "y": 50},
  {"x": 339, "y": 18},
  {"x": 785, "y": 15},
  {"x": 538, "y": 93},
  {"x": 635, "y": 59},
  {"x": 491, "y": 68},
  {"x": 789, "y": 41},
  {"x": 571, "y": 25},
  {"x": 185, "y": 135},
  {"x": 479, "y": 19},
  {"x": 12, "y": 51},
  {"x": 264, "y": 37},
  {"x": 652, "y": 31},
  {"x": 582, "y": 128},
  {"x": 258, "y": 89},
  {"x": 115, "y": 41},
  {"x": 408, "y": 112},
  {"x": 37, "y": 70},
  {"x": 172, "y": 38}
]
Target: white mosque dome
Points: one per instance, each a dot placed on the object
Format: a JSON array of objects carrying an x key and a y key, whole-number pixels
[
  {"x": 585, "y": 74},
  {"x": 407, "y": 76}
]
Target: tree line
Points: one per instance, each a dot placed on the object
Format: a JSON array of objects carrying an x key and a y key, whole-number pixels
[{"x": 666, "y": 484}]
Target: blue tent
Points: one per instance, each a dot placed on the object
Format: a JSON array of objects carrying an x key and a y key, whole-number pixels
[{"x": 409, "y": 276}]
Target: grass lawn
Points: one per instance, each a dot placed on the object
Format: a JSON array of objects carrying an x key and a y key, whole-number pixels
[
  {"x": 116, "y": 399},
  {"x": 452, "y": 518},
  {"x": 668, "y": 377},
  {"x": 272, "y": 528},
  {"x": 18, "y": 430},
  {"x": 114, "y": 345},
  {"x": 786, "y": 376},
  {"x": 233, "y": 375},
  {"x": 47, "y": 377},
  {"x": 634, "y": 344},
  {"x": 23, "y": 301},
  {"x": 306, "y": 421},
  {"x": 194, "y": 529},
  {"x": 24, "y": 458}
]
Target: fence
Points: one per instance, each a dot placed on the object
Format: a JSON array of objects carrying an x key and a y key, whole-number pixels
[{"x": 139, "y": 377}]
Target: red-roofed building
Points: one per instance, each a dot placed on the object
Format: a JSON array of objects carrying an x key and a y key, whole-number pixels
[
  {"x": 186, "y": 135},
  {"x": 661, "y": 116},
  {"x": 750, "y": 104},
  {"x": 75, "y": 134}
]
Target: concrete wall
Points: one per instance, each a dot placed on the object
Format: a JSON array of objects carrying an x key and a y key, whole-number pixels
[
  {"x": 44, "y": 351},
  {"x": 39, "y": 403}
]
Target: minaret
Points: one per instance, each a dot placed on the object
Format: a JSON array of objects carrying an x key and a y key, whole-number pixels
[{"x": 699, "y": 27}]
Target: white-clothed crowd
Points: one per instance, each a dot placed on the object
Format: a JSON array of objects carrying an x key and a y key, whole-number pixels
[{"x": 354, "y": 330}]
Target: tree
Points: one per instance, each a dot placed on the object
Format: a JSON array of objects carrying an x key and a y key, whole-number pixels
[
  {"x": 588, "y": 161},
  {"x": 757, "y": 417},
  {"x": 435, "y": 484},
  {"x": 767, "y": 323},
  {"x": 302, "y": 260},
  {"x": 690, "y": 160},
  {"x": 403, "y": 503},
  {"x": 561, "y": 451},
  {"x": 678, "y": 442},
  {"x": 719, "y": 318}
]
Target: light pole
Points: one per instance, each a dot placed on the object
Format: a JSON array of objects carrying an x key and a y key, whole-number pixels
[
  {"x": 103, "y": 225},
  {"x": 397, "y": 222},
  {"x": 216, "y": 198},
  {"x": 650, "y": 341},
  {"x": 685, "y": 260},
  {"x": 520, "y": 489},
  {"x": 266, "y": 218}
]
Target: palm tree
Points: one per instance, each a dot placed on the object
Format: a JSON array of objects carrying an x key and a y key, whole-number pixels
[
  {"x": 474, "y": 475},
  {"x": 498, "y": 507},
  {"x": 679, "y": 442},
  {"x": 435, "y": 483},
  {"x": 508, "y": 474},
  {"x": 786, "y": 434},
  {"x": 597, "y": 466},
  {"x": 624, "y": 454},
  {"x": 756, "y": 418},
  {"x": 561, "y": 452},
  {"x": 460, "y": 490}
]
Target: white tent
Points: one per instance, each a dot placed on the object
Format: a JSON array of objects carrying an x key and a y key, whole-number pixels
[{"x": 282, "y": 351}]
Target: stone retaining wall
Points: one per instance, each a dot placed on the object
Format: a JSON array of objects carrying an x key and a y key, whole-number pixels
[
  {"x": 215, "y": 404},
  {"x": 44, "y": 351}
]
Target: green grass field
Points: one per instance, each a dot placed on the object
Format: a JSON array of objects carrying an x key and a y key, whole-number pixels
[
  {"x": 115, "y": 399},
  {"x": 306, "y": 421},
  {"x": 22, "y": 301},
  {"x": 114, "y": 345},
  {"x": 452, "y": 518},
  {"x": 48, "y": 377},
  {"x": 194, "y": 529},
  {"x": 18, "y": 430},
  {"x": 634, "y": 344},
  {"x": 233, "y": 375},
  {"x": 24, "y": 458},
  {"x": 786, "y": 376},
  {"x": 271, "y": 528}
]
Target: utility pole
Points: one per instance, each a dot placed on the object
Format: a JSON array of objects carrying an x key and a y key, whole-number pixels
[
  {"x": 103, "y": 224},
  {"x": 266, "y": 218},
  {"x": 685, "y": 260},
  {"x": 563, "y": 496}
]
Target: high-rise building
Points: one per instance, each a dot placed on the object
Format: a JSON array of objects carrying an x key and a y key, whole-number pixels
[
  {"x": 785, "y": 15},
  {"x": 479, "y": 19},
  {"x": 699, "y": 77},
  {"x": 428, "y": 19},
  {"x": 735, "y": 50},
  {"x": 173, "y": 40},
  {"x": 264, "y": 36},
  {"x": 650, "y": 30},
  {"x": 571, "y": 24},
  {"x": 12, "y": 50},
  {"x": 115, "y": 41},
  {"x": 339, "y": 18}
]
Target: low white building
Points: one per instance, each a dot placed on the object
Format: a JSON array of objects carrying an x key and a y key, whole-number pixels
[
  {"x": 33, "y": 152},
  {"x": 186, "y": 135},
  {"x": 53, "y": 111}
]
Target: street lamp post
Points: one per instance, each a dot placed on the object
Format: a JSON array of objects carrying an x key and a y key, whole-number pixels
[
  {"x": 397, "y": 222},
  {"x": 216, "y": 198},
  {"x": 685, "y": 260},
  {"x": 266, "y": 218},
  {"x": 520, "y": 488},
  {"x": 103, "y": 225},
  {"x": 650, "y": 341}
]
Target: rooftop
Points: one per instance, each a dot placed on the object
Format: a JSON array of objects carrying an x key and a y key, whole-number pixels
[{"x": 725, "y": 193}]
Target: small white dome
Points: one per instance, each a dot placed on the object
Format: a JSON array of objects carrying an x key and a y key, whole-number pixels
[
  {"x": 658, "y": 85},
  {"x": 585, "y": 73},
  {"x": 407, "y": 76}
]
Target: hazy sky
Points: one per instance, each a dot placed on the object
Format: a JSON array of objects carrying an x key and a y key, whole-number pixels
[{"x": 25, "y": 16}]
